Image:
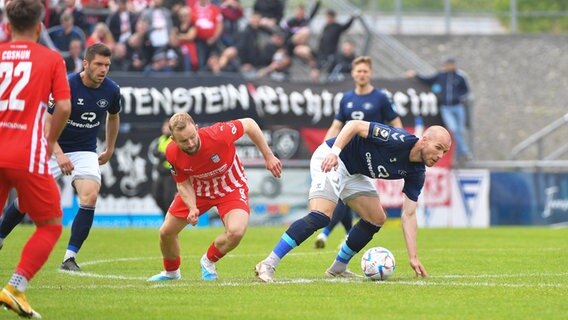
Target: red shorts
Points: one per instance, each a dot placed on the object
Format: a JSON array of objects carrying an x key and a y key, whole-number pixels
[
  {"x": 237, "y": 199},
  {"x": 38, "y": 194}
]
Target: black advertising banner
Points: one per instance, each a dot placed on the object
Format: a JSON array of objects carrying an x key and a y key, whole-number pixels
[{"x": 293, "y": 116}]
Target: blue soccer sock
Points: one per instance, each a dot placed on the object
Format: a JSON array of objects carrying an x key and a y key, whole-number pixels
[
  {"x": 10, "y": 219},
  {"x": 361, "y": 234},
  {"x": 326, "y": 231},
  {"x": 80, "y": 230},
  {"x": 297, "y": 233}
]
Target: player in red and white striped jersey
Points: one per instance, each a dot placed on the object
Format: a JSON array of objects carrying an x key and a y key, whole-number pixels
[
  {"x": 208, "y": 173},
  {"x": 29, "y": 73}
]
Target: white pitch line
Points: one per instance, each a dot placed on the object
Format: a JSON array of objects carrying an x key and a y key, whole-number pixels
[
  {"x": 306, "y": 281},
  {"x": 249, "y": 283}
]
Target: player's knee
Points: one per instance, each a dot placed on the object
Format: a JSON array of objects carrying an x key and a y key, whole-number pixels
[
  {"x": 235, "y": 235},
  {"x": 89, "y": 199},
  {"x": 379, "y": 218},
  {"x": 167, "y": 233}
]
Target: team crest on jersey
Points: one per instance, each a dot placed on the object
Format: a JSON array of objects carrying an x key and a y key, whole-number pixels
[
  {"x": 103, "y": 103},
  {"x": 367, "y": 106},
  {"x": 215, "y": 158},
  {"x": 381, "y": 133}
]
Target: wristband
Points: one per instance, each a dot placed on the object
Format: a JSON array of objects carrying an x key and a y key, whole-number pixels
[{"x": 336, "y": 150}]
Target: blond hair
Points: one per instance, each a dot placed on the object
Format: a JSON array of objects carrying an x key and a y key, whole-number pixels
[
  {"x": 180, "y": 121},
  {"x": 363, "y": 59}
]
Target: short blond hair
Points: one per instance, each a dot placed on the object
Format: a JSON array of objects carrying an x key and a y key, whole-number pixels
[
  {"x": 180, "y": 121},
  {"x": 363, "y": 59}
]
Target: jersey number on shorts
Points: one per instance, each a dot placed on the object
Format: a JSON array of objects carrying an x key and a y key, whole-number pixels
[{"x": 7, "y": 72}]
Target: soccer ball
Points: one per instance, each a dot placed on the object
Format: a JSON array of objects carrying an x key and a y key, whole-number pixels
[{"x": 378, "y": 263}]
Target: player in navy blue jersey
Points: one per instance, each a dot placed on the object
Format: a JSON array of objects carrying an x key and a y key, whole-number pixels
[
  {"x": 93, "y": 97},
  {"x": 343, "y": 168},
  {"x": 362, "y": 103}
]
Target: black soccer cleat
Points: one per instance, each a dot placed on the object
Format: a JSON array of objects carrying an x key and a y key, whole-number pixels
[{"x": 70, "y": 265}]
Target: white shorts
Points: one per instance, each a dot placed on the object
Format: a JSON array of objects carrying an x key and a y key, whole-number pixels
[
  {"x": 337, "y": 184},
  {"x": 86, "y": 166}
]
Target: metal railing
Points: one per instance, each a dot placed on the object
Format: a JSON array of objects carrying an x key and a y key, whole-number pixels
[{"x": 538, "y": 140}]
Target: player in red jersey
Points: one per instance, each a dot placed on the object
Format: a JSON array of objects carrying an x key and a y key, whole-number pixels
[
  {"x": 29, "y": 73},
  {"x": 208, "y": 173}
]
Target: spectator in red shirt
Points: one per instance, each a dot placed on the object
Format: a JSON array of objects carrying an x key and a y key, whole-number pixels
[
  {"x": 208, "y": 21},
  {"x": 232, "y": 12}
]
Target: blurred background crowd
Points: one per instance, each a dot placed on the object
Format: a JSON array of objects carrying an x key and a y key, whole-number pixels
[{"x": 164, "y": 36}]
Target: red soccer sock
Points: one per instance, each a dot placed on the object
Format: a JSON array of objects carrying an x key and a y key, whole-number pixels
[
  {"x": 213, "y": 254},
  {"x": 172, "y": 264},
  {"x": 37, "y": 249}
]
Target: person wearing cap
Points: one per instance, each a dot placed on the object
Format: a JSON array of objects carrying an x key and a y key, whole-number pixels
[{"x": 452, "y": 89}]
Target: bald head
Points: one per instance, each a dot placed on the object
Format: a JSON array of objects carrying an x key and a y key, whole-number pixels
[
  {"x": 439, "y": 134},
  {"x": 434, "y": 144}
]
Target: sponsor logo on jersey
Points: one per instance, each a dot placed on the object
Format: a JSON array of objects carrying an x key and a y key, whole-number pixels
[
  {"x": 103, "y": 103},
  {"x": 89, "y": 116},
  {"x": 80, "y": 101},
  {"x": 349, "y": 105},
  {"x": 381, "y": 133},
  {"x": 215, "y": 158},
  {"x": 392, "y": 160},
  {"x": 367, "y": 106}
]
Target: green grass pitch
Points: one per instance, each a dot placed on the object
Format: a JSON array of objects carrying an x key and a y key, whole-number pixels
[{"x": 497, "y": 273}]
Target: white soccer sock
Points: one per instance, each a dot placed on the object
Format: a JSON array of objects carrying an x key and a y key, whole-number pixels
[
  {"x": 19, "y": 282},
  {"x": 272, "y": 259},
  {"x": 69, "y": 254}
]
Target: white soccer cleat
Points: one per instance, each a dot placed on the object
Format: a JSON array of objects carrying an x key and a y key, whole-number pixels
[
  {"x": 265, "y": 272},
  {"x": 344, "y": 274},
  {"x": 208, "y": 269},
  {"x": 166, "y": 276}
]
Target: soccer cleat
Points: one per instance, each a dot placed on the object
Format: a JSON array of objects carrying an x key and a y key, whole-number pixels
[
  {"x": 16, "y": 301},
  {"x": 166, "y": 276},
  {"x": 265, "y": 272},
  {"x": 320, "y": 241},
  {"x": 344, "y": 274},
  {"x": 208, "y": 270},
  {"x": 70, "y": 265}
]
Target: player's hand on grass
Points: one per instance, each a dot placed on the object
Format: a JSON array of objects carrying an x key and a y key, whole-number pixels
[
  {"x": 193, "y": 216},
  {"x": 418, "y": 268},
  {"x": 274, "y": 165},
  {"x": 64, "y": 164},
  {"x": 331, "y": 161}
]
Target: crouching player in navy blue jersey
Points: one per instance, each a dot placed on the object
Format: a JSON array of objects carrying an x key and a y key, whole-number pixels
[
  {"x": 342, "y": 168},
  {"x": 93, "y": 97}
]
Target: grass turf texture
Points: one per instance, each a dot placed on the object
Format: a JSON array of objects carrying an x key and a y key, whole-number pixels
[{"x": 498, "y": 273}]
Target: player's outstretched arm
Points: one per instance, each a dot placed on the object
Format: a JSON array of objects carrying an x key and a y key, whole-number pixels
[
  {"x": 410, "y": 231},
  {"x": 112, "y": 126},
  {"x": 352, "y": 128},
  {"x": 187, "y": 194},
  {"x": 253, "y": 131}
]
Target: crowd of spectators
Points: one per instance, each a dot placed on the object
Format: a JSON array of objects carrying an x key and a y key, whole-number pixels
[{"x": 164, "y": 36}]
